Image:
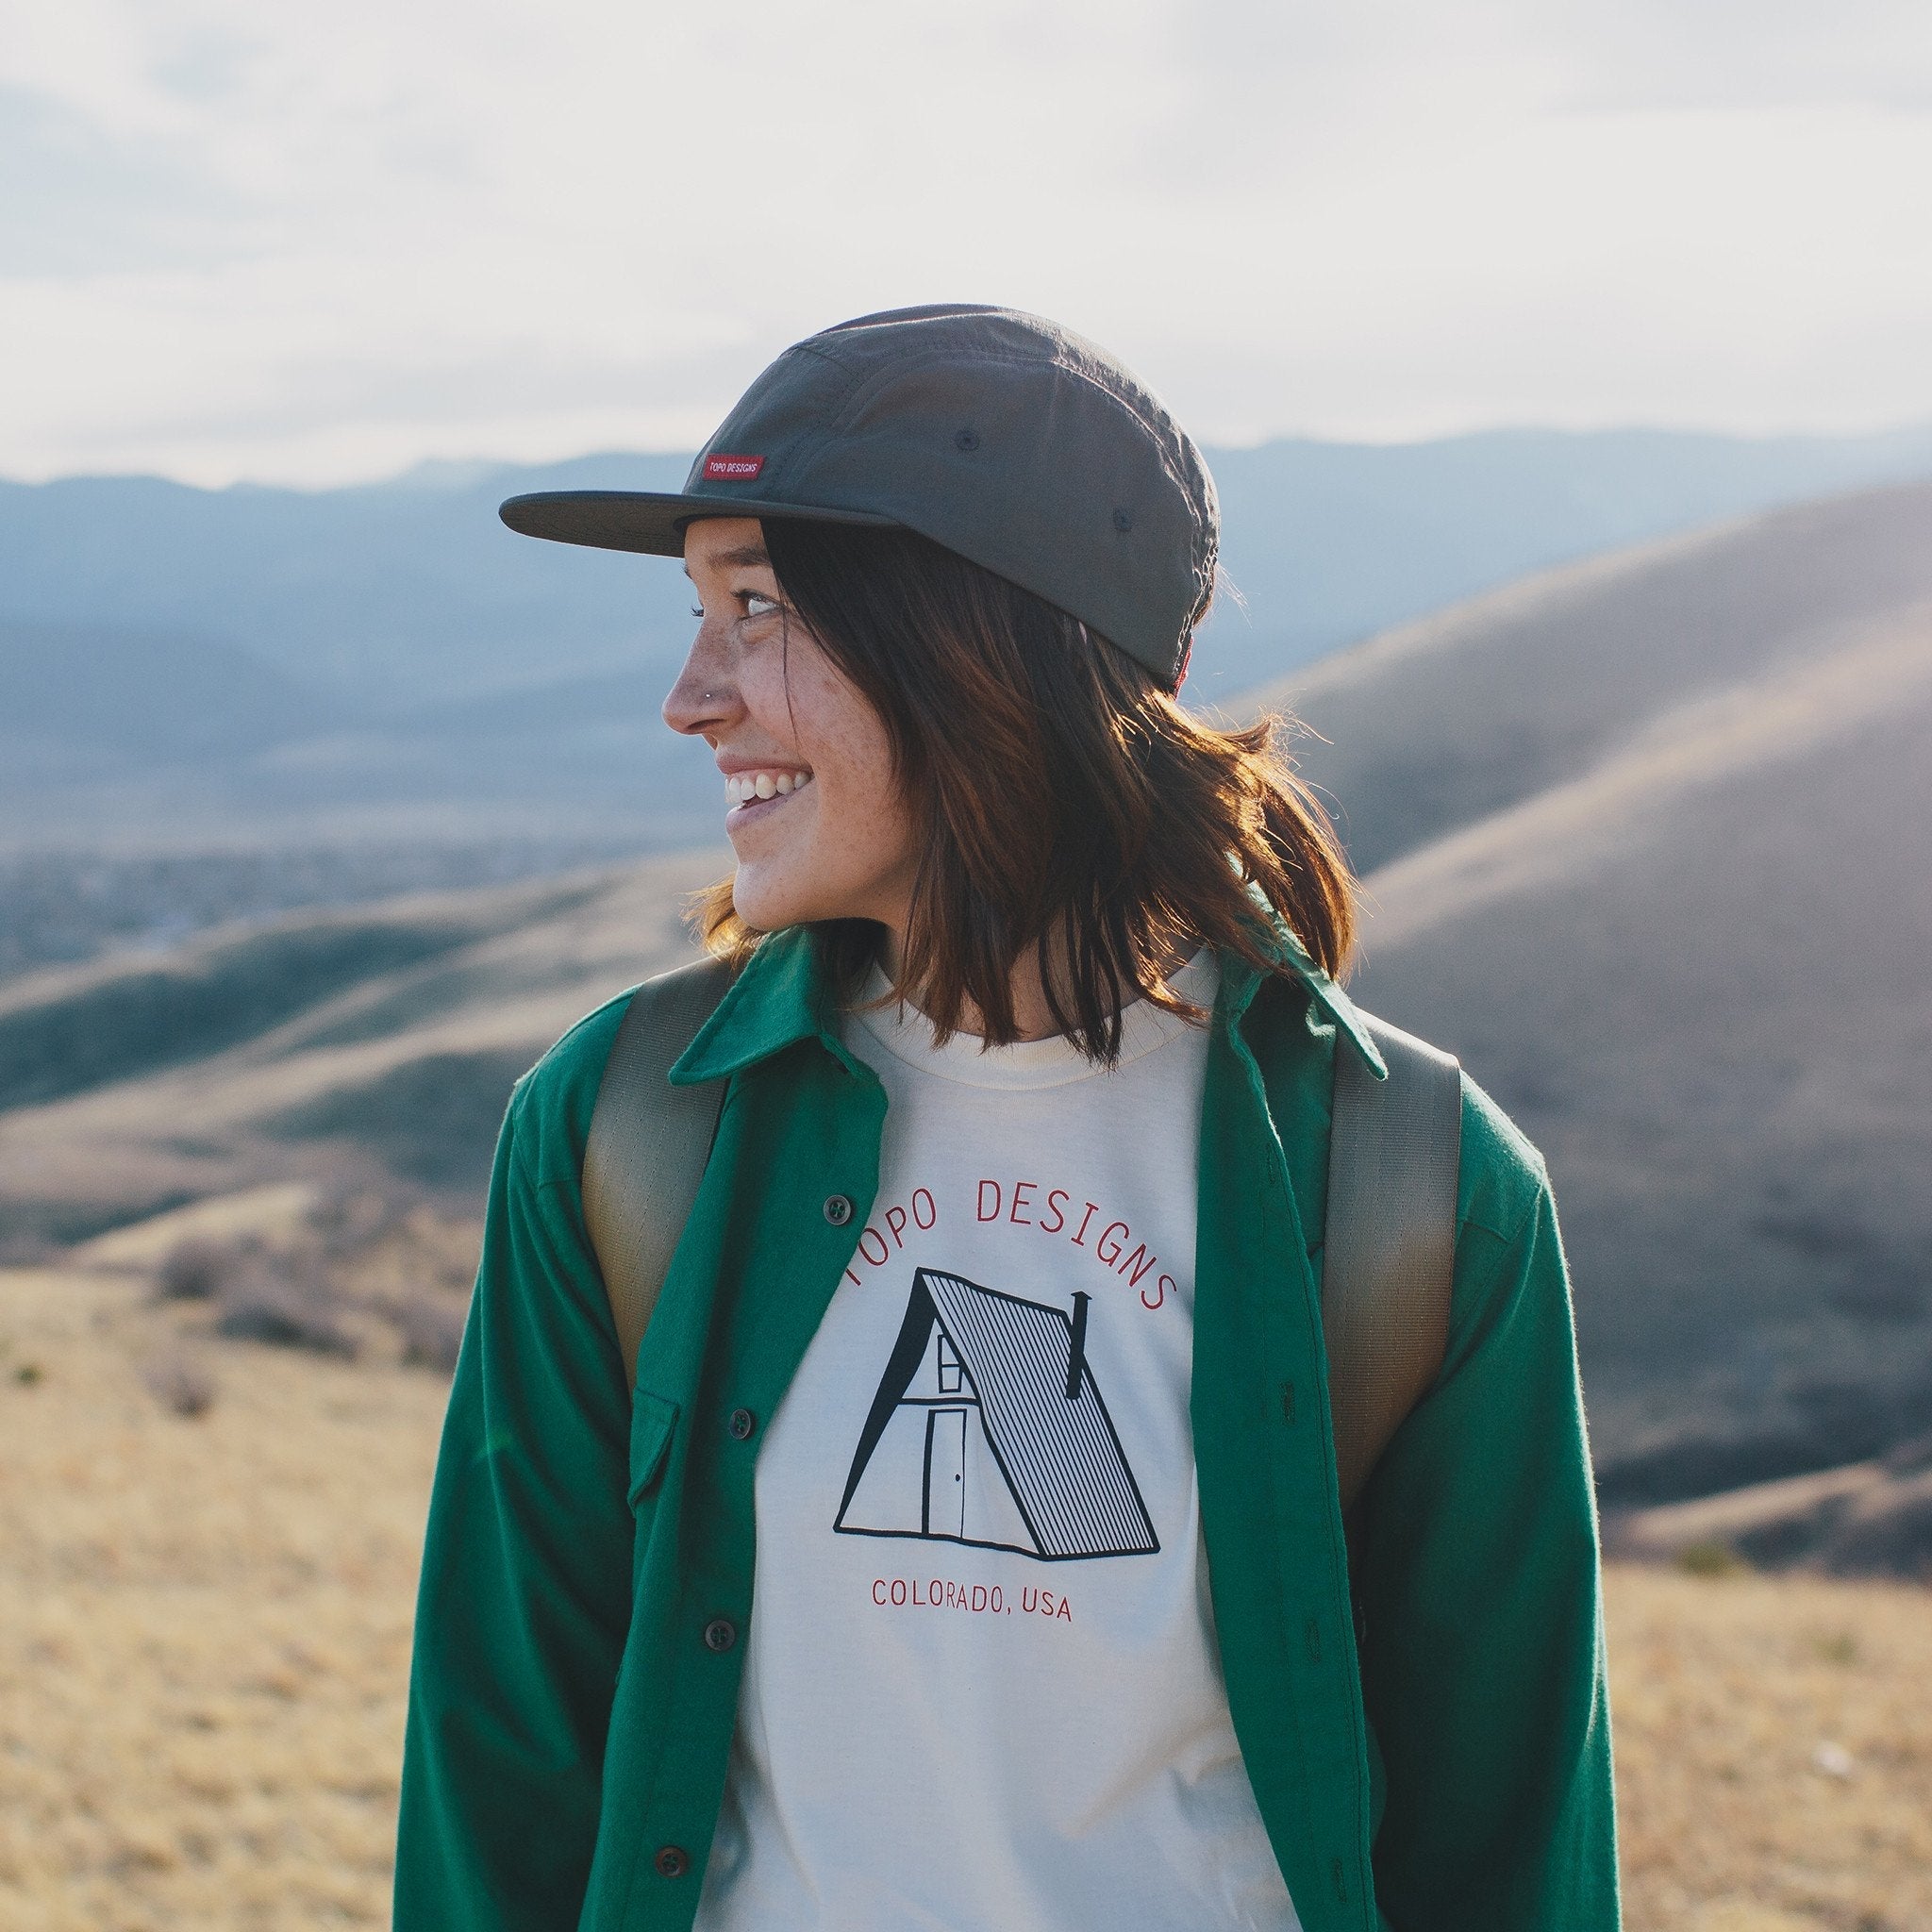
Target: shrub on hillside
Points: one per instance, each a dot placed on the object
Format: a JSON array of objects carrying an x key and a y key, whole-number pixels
[
  {"x": 183, "y": 1384},
  {"x": 432, "y": 1331},
  {"x": 349, "y": 1221},
  {"x": 287, "y": 1304},
  {"x": 195, "y": 1269}
]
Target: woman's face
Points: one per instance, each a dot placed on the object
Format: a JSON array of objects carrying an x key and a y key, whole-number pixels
[{"x": 811, "y": 808}]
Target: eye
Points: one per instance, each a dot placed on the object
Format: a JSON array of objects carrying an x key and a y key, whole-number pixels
[
  {"x": 697, "y": 611},
  {"x": 758, "y": 605}
]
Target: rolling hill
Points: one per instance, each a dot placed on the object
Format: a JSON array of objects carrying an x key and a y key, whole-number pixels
[
  {"x": 1647, "y": 843},
  {"x": 375, "y": 1045}
]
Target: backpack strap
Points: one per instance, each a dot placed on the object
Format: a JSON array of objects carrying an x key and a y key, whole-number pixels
[
  {"x": 1389, "y": 1245},
  {"x": 648, "y": 1144}
]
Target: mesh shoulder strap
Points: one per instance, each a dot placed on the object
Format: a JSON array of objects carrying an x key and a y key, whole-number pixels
[
  {"x": 648, "y": 1144},
  {"x": 1388, "y": 1247}
]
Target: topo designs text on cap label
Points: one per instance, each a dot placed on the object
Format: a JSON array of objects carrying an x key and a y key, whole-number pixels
[{"x": 722, "y": 468}]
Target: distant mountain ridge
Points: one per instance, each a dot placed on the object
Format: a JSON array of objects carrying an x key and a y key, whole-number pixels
[
  {"x": 184, "y": 668},
  {"x": 149, "y": 694},
  {"x": 409, "y": 592},
  {"x": 1332, "y": 542},
  {"x": 385, "y": 594}
]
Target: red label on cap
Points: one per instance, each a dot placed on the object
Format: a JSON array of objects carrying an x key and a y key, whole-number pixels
[{"x": 722, "y": 469}]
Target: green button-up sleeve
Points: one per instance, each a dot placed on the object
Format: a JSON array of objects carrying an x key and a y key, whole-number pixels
[
  {"x": 1478, "y": 1580},
  {"x": 526, "y": 1589}
]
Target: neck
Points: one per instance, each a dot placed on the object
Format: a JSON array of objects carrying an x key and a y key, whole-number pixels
[{"x": 1032, "y": 1016}]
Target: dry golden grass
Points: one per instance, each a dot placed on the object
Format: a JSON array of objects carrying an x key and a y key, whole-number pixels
[
  {"x": 204, "y": 1624},
  {"x": 204, "y": 1643},
  {"x": 1774, "y": 1752}
]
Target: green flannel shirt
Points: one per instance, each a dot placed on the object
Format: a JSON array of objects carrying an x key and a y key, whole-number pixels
[{"x": 1427, "y": 1736}]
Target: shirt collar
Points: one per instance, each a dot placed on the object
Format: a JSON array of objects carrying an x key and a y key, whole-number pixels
[
  {"x": 777, "y": 1000},
  {"x": 1240, "y": 982},
  {"x": 781, "y": 998}
]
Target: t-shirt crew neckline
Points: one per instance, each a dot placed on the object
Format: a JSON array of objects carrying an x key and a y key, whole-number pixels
[{"x": 906, "y": 1033}]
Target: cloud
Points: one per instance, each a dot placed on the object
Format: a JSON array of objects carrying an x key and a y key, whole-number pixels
[
  {"x": 1753, "y": 53},
  {"x": 320, "y": 243},
  {"x": 84, "y": 199}
]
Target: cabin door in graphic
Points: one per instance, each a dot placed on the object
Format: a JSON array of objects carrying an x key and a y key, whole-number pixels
[
  {"x": 989, "y": 1429},
  {"x": 945, "y": 1474}
]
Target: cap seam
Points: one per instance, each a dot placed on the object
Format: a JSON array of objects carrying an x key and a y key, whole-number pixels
[
  {"x": 891, "y": 371},
  {"x": 865, "y": 385},
  {"x": 811, "y": 440}
]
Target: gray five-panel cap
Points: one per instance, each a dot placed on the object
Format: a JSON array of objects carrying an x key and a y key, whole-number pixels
[{"x": 1001, "y": 435}]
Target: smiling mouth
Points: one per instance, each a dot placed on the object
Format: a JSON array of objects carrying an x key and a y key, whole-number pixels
[{"x": 746, "y": 791}]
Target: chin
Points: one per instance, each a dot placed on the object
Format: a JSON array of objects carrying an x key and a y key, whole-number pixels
[
  {"x": 764, "y": 907},
  {"x": 767, "y": 905}
]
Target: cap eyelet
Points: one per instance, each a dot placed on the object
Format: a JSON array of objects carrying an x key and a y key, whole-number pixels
[
  {"x": 1123, "y": 520},
  {"x": 967, "y": 440}
]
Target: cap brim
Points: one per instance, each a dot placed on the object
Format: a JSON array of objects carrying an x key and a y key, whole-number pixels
[{"x": 649, "y": 521}]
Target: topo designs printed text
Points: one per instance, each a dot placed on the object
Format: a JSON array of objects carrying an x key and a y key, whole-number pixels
[{"x": 1057, "y": 1213}]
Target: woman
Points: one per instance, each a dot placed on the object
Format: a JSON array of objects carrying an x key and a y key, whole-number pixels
[{"x": 994, "y": 1332}]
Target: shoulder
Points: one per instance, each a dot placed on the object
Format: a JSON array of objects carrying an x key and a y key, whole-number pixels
[
  {"x": 1502, "y": 1175},
  {"x": 550, "y": 1107}
]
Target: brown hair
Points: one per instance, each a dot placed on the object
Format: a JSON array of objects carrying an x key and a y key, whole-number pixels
[{"x": 1068, "y": 801}]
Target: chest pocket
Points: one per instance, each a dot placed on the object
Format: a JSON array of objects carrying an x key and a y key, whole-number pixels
[{"x": 653, "y": 1423}]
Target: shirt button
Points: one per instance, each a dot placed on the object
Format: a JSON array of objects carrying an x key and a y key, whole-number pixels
[
  {"x": 673, "y": 1861},
  {"x": 741, "y": 1424},
  {"x": 838, "y": 1210},
  {"x": 719, "y": 1634}
]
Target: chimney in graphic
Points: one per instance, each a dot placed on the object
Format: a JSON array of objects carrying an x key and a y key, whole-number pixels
[{"x": 1077, "y": 1347}]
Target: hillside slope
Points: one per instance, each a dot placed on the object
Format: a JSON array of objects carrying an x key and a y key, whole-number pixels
[
  {"x": 1650, "y": 843},
  {"x": 376, "y": 1046},
  {"x": 1438, "y": 723}
]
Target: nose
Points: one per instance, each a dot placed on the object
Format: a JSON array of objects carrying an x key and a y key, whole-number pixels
[{"x": 704, "y": 698}]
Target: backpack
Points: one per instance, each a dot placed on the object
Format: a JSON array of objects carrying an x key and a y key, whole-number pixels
[{"x": 1389, "y": 1245}]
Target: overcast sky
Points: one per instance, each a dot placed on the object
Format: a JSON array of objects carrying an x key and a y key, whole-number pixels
[{"x": 316, "y": 243}]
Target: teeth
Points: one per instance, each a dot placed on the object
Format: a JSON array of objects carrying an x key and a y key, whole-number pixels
[{"x": 743, "y": 787}]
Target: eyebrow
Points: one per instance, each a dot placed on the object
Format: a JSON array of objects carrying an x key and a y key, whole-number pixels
[{"x": 748, "y": 557}]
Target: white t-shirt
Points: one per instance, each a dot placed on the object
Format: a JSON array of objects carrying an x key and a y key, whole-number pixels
[{"x": 982, "y": 1692}]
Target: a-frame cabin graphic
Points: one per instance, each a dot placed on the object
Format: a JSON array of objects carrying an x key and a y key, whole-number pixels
[{"x": 989, "y": 1429}]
